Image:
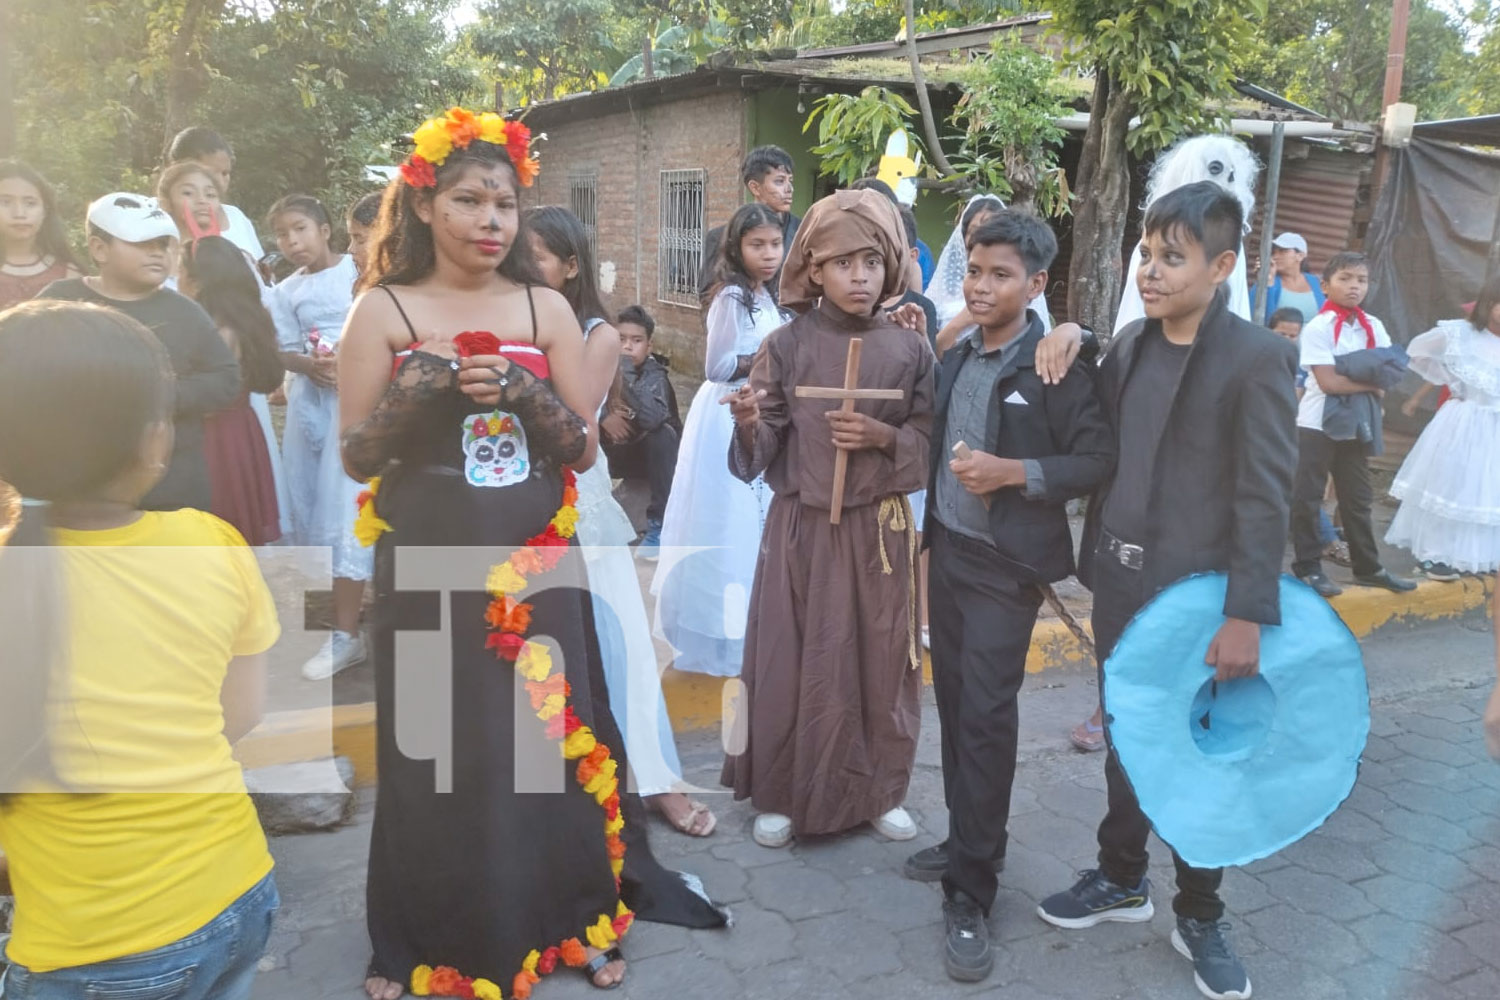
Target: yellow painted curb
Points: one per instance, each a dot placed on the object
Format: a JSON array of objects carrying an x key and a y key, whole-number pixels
[{"x": 696, "y": 701}]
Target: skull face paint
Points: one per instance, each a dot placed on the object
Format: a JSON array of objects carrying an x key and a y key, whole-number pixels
[{"x": 495, "y": 451}]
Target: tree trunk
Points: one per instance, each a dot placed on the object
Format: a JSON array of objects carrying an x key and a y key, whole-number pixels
[
  {"x": 185, "y": 65},
  {"x": 1104, "y": 201},
  {"x": 647, "y": 69},
  {"x": 924, "y": 100}
]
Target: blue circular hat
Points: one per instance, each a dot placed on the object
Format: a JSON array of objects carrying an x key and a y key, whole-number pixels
[{"x": 1229, "y": 773}]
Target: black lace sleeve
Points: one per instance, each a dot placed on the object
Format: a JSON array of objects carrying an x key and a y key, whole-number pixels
[
  {"x": 374, "y": 441},
  {"x": 551, "y": 428}
]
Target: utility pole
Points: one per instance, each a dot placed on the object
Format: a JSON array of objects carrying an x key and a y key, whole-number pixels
[{"x": 1395, "y": 63}]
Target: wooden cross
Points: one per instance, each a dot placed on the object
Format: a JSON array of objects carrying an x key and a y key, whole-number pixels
[{"x": 849, "y": 393}]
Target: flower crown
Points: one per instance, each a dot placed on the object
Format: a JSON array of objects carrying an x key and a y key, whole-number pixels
[{"x": 437, "y": 138}]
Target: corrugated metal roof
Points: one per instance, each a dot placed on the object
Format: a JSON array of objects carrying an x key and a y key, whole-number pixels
[{"x": 1317, "y": 199}]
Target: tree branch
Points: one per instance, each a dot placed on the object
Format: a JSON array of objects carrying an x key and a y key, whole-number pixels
[{"x": 939, "y": 159}]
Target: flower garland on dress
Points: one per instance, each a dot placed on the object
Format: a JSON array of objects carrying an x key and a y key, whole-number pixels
[
  {"x": 437, "y": 138},
  {"x": 596, "y": 771}
]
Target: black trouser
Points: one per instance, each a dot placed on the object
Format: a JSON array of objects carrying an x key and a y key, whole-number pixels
[
  {"x": 652, "y": 457},
  {"x": 1118, "y": 594},
  {"x": 981, "y": 624},
  {"x": 1319, "y": 455}
]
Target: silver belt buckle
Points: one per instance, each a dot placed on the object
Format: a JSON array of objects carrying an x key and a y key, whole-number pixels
[{"x": 1131, "y": 556}]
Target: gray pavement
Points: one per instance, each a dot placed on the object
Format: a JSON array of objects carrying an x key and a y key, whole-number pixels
[{"x": 1396, "y": 897}]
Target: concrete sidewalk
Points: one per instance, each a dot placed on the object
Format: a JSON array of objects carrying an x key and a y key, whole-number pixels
[{"x": 1397, "y": 897}]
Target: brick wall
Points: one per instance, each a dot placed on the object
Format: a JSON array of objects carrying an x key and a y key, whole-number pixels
[{"x": 628, "y": 150}]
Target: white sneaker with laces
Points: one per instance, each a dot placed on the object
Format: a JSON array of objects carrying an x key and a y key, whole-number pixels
[
  {"x": 339, "y": 651},
  {"x": 772, "y": 830},
  {"x": 896, "y": 825}
]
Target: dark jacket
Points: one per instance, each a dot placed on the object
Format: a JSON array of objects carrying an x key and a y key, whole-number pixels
[
  {"x": 649, "y": 393},
  {"x": 1062, "y": 427},
  {"x": 1358, "y": 416},
  {"x": 1222, "y": 483},
  {"x": 713, "y": 241}
]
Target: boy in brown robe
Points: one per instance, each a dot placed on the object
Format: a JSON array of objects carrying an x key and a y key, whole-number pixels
[{"x": 832, "y": 663}]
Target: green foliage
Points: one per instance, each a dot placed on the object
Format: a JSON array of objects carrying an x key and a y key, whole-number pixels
[
  {"x": 1480, "y": 87},
  {"x": 1168, "y": 58},
  {"x": 677, "y": 49},
  {"x": 1010, "y": 137},
  {"x": 544, "y": 48},
  {"x": 852, "y": 131},
  {"x": 945, "y": 14}
]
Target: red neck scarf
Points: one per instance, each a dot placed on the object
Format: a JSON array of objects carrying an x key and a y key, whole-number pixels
[{"x": 1342, "y": 316}]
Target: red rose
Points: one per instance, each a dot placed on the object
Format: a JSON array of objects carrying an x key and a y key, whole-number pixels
[
  {"x": 517, "y": 142},
  {"x": 548, "y": 961},
  {"x": 445, "y": 981},
  {"x": 466, "y": 988},
  {"x": 507, "y": 645},
  {"x": 475, "y": 342},
  {"x": 418, "y": 173},
  {"x": 622, "y": 923}
]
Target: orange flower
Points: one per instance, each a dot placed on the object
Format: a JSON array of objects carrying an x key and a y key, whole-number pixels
[
  {"x": 463, "y": 126},
  {"x": 444, "y": 981},
  {"x": 508, "y": 614},
  {"x": 570, "y": 496},
  {"x": 616, "y": 848},
  {"x": 526, "y": 561},
  {"x": 539, "y": 690},
  {"x": 520, "y": 987},
  {"x": 527, "y": 170},
  {"x": 573, "y": 954}
]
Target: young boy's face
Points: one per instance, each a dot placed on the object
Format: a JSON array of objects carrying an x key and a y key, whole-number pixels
[
  {"x": 1176, "y": 278},
  {"x": 774, "y": 190},
  {"x": 852, "y": 281},
  {"x": 997, "y": 287},
  {"x": 1348, "y": 286},
  {"x": 134, "y": 267},
  {"x": 635, "y": 343},
  {"x": 359, "y": 242},
  {"x": 1288, "y": 329}
]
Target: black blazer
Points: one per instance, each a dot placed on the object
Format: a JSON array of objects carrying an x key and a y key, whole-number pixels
[
  {"x": 1222, "y": 484},
  {"x": 1063, "y": 427}
]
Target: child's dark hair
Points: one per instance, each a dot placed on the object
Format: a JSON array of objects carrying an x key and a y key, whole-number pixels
[
  {"x": 638, "y": 316},
  {"x": 79, "y": 387},
  {"x": 729, "y": 268},
  {"x": 983, "y": 205},
  {"x": 563, "y": 234},
  {"x": 1345, "y": 260},
  {"x": 1032, "y": 238},
  {"x": 762, "y": 160},
  {"x": 1489, "y": 297},
  {"x": 875, "y": 184},
  {"x": 367, "y": 209},
  {"x": 908, "y": 223},
  {"x": 1286, "y": 314},
  {"x": 1212, "y": 216},
  {"x": 299, "y": 204},
  {"x": 401, "y": 248},
  {"x": 225, "y": 286},
  {"x": 196, "y": 143},
  {"x": 51, "y": 238}
]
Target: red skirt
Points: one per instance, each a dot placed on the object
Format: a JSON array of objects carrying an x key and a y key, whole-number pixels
[{"x": 239, "y": 469}]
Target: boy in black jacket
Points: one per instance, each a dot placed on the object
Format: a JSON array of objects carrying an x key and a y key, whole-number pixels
[
  {"x": 642, "y": 430},
  {"x": 1008, "y": 452}
]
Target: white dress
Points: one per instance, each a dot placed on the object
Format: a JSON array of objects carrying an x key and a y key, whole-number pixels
[
  {"x": 323, "y": 497},
  {"x": 1449, "y": 485},
  {"x": 625, "y": 645},
  {"x": 710, "y": 534}
]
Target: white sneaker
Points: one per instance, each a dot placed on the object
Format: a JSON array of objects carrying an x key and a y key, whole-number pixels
[
  {"x": 338, "y": 652},
  {"x": 772, "y": 830},
  {"x": 896, "y": 825}
]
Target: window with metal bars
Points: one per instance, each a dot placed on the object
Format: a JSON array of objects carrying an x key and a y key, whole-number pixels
[
  {"x": 583, "y": 201},
  {"x": 680, "y": 241}
]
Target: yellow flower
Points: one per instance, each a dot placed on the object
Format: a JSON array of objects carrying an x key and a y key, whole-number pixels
[
  {"x": 579, "y": 743},
  {"x": 492, "y": 128},
  {"x": 605, "y": 775},
  {"x": 602, "y": 934},
  {"x": 505, "y": 580},
  {"x": 616, "y": 867},
  {"x": 614, "y": 826},
  {"x": 486, "y": 990},
  {"x": 369, "y": 526},
  {"x": 610, "y": 786},
  {"x": 421, "y": 980},
  {"x": 494, "y": 426},
  {"x": 433, "y": 141},
  {"x": 535, "y": 662},
  {"x": 533, "y": 956},
  {"x": 551, "y": 705},
  {"x": 566, "y": 521}
]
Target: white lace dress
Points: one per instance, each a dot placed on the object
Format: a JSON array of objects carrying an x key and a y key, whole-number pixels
[
  {"x": 710, "y": 534},
  {"x": 1449, "y": 485},
  {"x": 625, "y": 644},
  {"x": 323, "y": 498}
]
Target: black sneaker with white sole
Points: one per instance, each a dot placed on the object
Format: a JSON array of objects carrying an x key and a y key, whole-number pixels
[
  {"x": 1094, "y": 899},
  {"x": 1441, "y": 572},
  {"x": 931, "y": 863},
  {"x": 1216, "y": 969},
  {"x": 966, "y": 953}
]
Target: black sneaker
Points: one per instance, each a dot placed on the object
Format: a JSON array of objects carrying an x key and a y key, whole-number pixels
[
  {"x": 967, "y": 953},
  {"x": 1216, "y": 970},
  {"x": 1094, "y": 899},
  {"x": 1385, "y": 581},
  {"x": 1441, "y": 572},
  {"x": 931, "y": 864},
  {"x": 1319, "y": 581}
]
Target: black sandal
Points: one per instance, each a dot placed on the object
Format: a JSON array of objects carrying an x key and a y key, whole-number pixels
[{"x": 596, "y": 965}]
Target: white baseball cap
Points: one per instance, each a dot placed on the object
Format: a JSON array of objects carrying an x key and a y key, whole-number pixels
[
  {"x": 1290, "y": 241},
  {"x": 133, "y": 218}
]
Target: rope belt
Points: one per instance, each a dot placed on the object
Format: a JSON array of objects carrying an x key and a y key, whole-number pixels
[{"x": 895, "y": 513}]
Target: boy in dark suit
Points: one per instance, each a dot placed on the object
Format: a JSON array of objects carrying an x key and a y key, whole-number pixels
[
  {"x": 1204, "y": 407},
  {"x": 642, "y": 430},
  {"x": 1008, "y": 452}
]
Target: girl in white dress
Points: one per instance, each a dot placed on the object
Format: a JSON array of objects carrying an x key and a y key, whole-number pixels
[
  {"x": 711, "y": 532},
  {"x": 560, "y": 246},
  {"x": 309, "y": 308},
  {"x": 1449, "y": 485}
]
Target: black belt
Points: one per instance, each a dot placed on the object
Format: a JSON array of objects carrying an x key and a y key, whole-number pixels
[{"x": 1127, "y": 555}]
